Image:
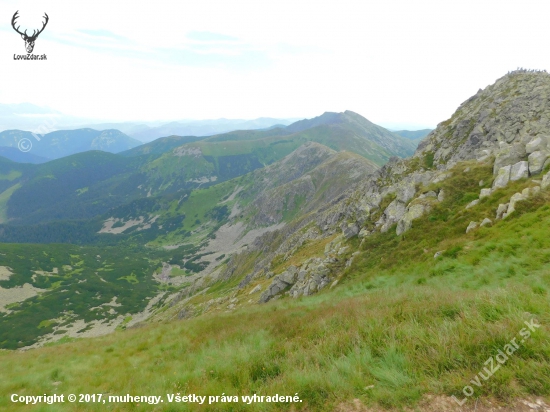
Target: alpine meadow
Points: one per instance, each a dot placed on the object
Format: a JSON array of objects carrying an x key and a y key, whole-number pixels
[{"x": 348, "y": 237}]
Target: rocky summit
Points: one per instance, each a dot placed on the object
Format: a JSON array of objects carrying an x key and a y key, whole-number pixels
[{"x": 505, "y": 126}]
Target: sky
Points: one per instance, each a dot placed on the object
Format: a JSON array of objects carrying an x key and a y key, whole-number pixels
[{"x": 399, "y": 63}]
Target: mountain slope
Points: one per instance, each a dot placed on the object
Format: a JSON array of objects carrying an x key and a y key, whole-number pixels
[
  {"x": 18, "y": 156},
  {"x": 379, "y": 289},
  {"x": 226, "y": 156},
  {"x": 413, "y": 134},
  {"x": 491, "y": 128},
  {"x": 160, "y": 146},
  {"x": 353, "y": 123},
  {"x": 197, "y": 229},
  {"x": 62, "y": 143},
  {"x": 78, "y": 186}
]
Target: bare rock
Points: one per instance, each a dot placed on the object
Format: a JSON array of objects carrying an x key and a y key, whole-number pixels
[
  {"x": 503, "y": 177},
  {"x": 518, "y": 197},
  {"x": 393, "y": 213},
  {"x": 537, "y": 161},
  {"x": 486, "y": 222},
  {"x": 256, "y": 289},
  {"x": 471, "y": 226},
  {"x": 414, "y": 211},
  {"x": 520, "y": 170},
  {"x": 350, "y": 230},
  {"x": 536, "y": 144},
  {"x": 508, "y": 155},
  {"x": 501, "y": 210},
  {"x": 485, "y": 193},
  {"x": 472, "y": 203}
]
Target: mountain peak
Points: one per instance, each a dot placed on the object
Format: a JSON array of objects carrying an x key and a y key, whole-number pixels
[{"x": 498, "y": 121}]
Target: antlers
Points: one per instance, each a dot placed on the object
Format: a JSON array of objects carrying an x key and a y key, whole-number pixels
[
  {"x": 34, "y": 33},
  {"x": 15, "y": 16},
  {"x": 43, "y": 25}
]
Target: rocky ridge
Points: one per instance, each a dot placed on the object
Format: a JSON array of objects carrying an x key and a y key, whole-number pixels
[{"x": 505, "y": 126}]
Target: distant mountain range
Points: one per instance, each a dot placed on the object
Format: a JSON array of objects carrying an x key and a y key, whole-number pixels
[
  {"x": 147, "y": 133},
  {"x": 63, "y": 143},
  {"x": 16, "y": 155},
  {"x": 38, "y": 119},
  {"x": 90, "y": 183},
  {"x": 413, "y": 134}
]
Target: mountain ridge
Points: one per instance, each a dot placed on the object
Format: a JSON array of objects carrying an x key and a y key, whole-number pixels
[
  {"x": 55, "y": 145},
  {"x": 359, "y": 287}
]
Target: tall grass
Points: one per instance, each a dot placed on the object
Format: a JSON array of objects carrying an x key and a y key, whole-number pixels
[{"x": 400, "y": 324}]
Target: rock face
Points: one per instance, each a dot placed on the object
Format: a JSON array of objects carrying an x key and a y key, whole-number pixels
[
  {"x": 499, "y": 121},
  {"x": 414, "y": 211},
  {"x": 504, "y": 126},
  {"x": 280, "y": 283},
  {"x": 313, "y": 275}
]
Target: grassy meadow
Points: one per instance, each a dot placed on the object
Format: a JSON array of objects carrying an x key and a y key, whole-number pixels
[{"x": 400, "y": 324}]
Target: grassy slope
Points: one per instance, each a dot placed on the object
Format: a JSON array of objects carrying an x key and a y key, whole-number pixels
[{"x": 399, "y": 320}]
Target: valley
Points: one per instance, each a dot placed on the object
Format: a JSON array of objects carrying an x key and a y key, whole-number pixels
[{"x": 331, "y": 258}]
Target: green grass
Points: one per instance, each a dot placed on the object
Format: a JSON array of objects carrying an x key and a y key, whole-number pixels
[
  {"x": 12, "y": 175},
  {"x": 4, "y": 197},
  {"x": 399, "y": 325}
]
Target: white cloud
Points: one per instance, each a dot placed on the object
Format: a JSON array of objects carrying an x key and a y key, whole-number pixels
[{"x": 394, "y": 61}]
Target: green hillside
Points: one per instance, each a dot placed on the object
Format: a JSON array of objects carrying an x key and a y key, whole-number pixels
[
  {"x": 223, "y": 157},
  {"x": 400, "y": 324},
  {"x": 413, "y": 134},
  {"x": 308, "y": 261}
]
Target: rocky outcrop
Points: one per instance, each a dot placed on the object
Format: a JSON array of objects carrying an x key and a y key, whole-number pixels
[
  {"x": 314, "y": 275},
  {"x": 415, "y": 210},
  {"x": 504, "y": 126},
  {"x": 520, "y": 170},
  {"x": 472, "y": 226},
  {"x": 498, "y": 121},
  {"x": 503, "y": 177},
  {"x": 537, "y": 161},
  {"x": 280, "y": 283},
  {"x": 486, "y": 222}
]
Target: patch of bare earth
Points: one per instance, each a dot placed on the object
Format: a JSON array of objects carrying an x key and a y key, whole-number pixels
[
  {"x": 431, "y": 403},
  {"x": 165, "y": 276},
  {"x": 80, "y": 329},
  {"x": 108, "y": 225},
  {"x": 5, "y": 273},
  {"x": 231, "y": 239},
  {"x": 141, "y": 222},
  {"x": 17, "y": 294}
]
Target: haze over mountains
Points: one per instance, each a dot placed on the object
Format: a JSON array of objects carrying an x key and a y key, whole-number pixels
[
  {"x": 58, "y": 144},
  {"x": 42, "y": 120},
  {"x": 340, "y": 131},
  {"x": 407, "y": 250}
]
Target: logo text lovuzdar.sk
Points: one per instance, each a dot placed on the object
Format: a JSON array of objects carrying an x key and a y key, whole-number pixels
[{"x": 29, "y": 39}]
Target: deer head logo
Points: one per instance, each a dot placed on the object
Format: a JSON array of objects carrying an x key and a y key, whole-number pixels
[{"x": 29, "y": 40}]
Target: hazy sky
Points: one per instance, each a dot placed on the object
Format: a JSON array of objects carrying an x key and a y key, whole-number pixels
[{"x": 400, "y": 62}]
